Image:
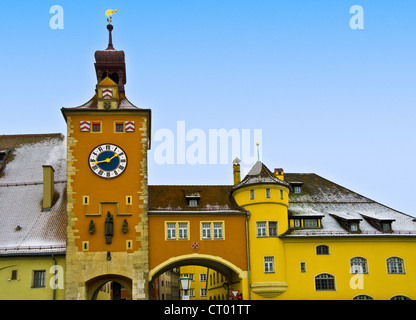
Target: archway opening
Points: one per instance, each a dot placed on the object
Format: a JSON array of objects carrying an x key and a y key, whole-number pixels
[
  {"x": 109, "y": 287},
  {"x": 210, "y": 280}
]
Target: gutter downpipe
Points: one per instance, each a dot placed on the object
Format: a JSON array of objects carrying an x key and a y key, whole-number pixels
[{"x": 248, "y": 257}]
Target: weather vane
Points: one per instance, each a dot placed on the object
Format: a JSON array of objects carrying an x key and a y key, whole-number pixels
[{"x": 109, "y": 13}]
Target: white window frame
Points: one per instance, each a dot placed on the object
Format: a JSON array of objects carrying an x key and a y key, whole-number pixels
[
  {"x": 206, "y": 230},
  {"x": 268, "y": 262},
  {"x": 171, "y": 230},
  {"x": 261, "y": 229},
  {"x": 218, "y": 230}
]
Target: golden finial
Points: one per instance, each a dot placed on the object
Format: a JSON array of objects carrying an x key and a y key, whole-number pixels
[
  {"x": 258, "y": 152},
  {"x": 109, "y": 13}
]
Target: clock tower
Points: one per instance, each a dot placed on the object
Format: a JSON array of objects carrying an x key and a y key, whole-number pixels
[{"x": 107, "y": 228}]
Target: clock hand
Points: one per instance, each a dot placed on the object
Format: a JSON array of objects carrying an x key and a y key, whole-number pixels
[{"x": 107, "y": 160}]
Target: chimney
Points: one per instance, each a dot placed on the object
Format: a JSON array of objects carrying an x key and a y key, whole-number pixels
[
  {"x": 48, "y": 187},
  {"x": 236, "y": 171},
  {"x": 278, "y": 172}
]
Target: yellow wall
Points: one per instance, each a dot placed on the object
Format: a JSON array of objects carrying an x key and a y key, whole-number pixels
[
  {"x": 262, "y": 209},
  {"x": 377, "y": 283},
  {"x": 22, "y": 288}
]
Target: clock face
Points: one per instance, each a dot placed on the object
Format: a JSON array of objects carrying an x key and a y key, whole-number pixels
[{"x": 107, "y": 161}]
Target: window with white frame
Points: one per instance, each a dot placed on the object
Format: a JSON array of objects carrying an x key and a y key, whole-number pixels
[
  {"x": 217, "y": 230},
  {"x": 268, "y": 264},
  {"x": 261, "y": 229},
  {"x": 206, "y": 230},
  {"x": 203, "y": 292},
  {"x": 171, "y": 231},
  {"x": 202, "y": 277},
  {"x": 183, "y": 230}
]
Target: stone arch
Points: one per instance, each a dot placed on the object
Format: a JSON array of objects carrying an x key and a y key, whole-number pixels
[
  {"x": 93, "y": 285},
  {"x": 214, "y": 262}
]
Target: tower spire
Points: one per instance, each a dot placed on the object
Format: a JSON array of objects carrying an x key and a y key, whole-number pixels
[{"x": 110, "y": 40}]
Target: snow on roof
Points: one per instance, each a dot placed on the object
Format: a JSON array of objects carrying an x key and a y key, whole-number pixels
[
  {"x": 331, "y": 201},
  {"x": 24, "y": 228}
]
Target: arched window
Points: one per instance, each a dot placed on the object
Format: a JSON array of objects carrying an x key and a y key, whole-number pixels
[
  {"x": 395, "y": 265},
  {"x": 322, "y": 250},
  {"x": 362, "y": 297},
  {"x": 358, "y": 265},
  {"x": 324, "y": 282},
  {"x": 400, "y": 298}
]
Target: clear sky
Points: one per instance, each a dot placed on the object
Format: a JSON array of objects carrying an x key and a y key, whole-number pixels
[{"x": 327, "y": 99}]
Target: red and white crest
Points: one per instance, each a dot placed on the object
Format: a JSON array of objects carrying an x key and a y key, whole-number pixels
[
  {"x": 85, "y": 126},
  {"x": 129, "y": 126},
  {"x": 195, "y": 245},
  {"x": 107, "y": 93}
]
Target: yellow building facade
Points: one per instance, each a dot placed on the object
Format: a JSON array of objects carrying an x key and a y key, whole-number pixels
[{"x": 94, "y": 220}]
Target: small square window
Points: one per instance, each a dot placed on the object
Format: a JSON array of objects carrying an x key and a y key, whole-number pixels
[
  {"x": 297, "y": 190},
  {"x": 96, "y": 127},
  {"x": 119, "y": 126},
  {"x": 193, "y": 203}
]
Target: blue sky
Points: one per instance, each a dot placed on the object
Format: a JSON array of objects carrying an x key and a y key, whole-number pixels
[{"x": 328, "y": 99}]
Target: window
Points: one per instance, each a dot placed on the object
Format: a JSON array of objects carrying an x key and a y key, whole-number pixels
[
  {"x": 363, "y": 297},
  {"x": 251, "y": 194},
  {"x": 171, "y": 230},
  {"x": 129, "y": 244},
  {"x": 310, "y": 223},
  {"x": 261, "y": 229},
  {"x": 297, "y": 190},
  {"x": 217, "y": 230},
  {"x": 212, "y": 230},
  {"x": 267, "y": 193},
  {"x": 203, "y": 292},
  {"x": 322, "y": 250},
  {"x": 85, "y": 200},
  {"x": 281, "y": 194},
  {"x": 183, "y": 230},
  {"x": 176, "y": 230},
  {"x": 85, "y": 245},
  {"x": 358, "y": 265},
  {"x": 38, "y": 279},
  {"x": 400, "y": 298},
  {"x": 303, "y": 267},
  {"x": 395, "y": 265},
  {"x": 193, "y": 203},
  {"x": 268, "y": 264},
  {"x": 297, "y": 223},
  {"x": 272, "y": 229},
  {"x": 96, "y": 127},
  {"x": 324, "y": 282},
  {"x": 353, "y": 226},
  {"x": 119, "y": 127},
  {"x": 14, "y": 275},
  {"x": 206, "y": 230},
  {"x": 386, "y": 226},
  {"x": 202, "y": 277}
]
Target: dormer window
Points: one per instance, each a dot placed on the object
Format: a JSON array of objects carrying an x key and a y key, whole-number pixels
[
  {"x": 380, "y": 223},
  {"x": 193, "y": 203},
  {"x": 192, "y": 198},
  {"x": 297, "y": 187}
]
